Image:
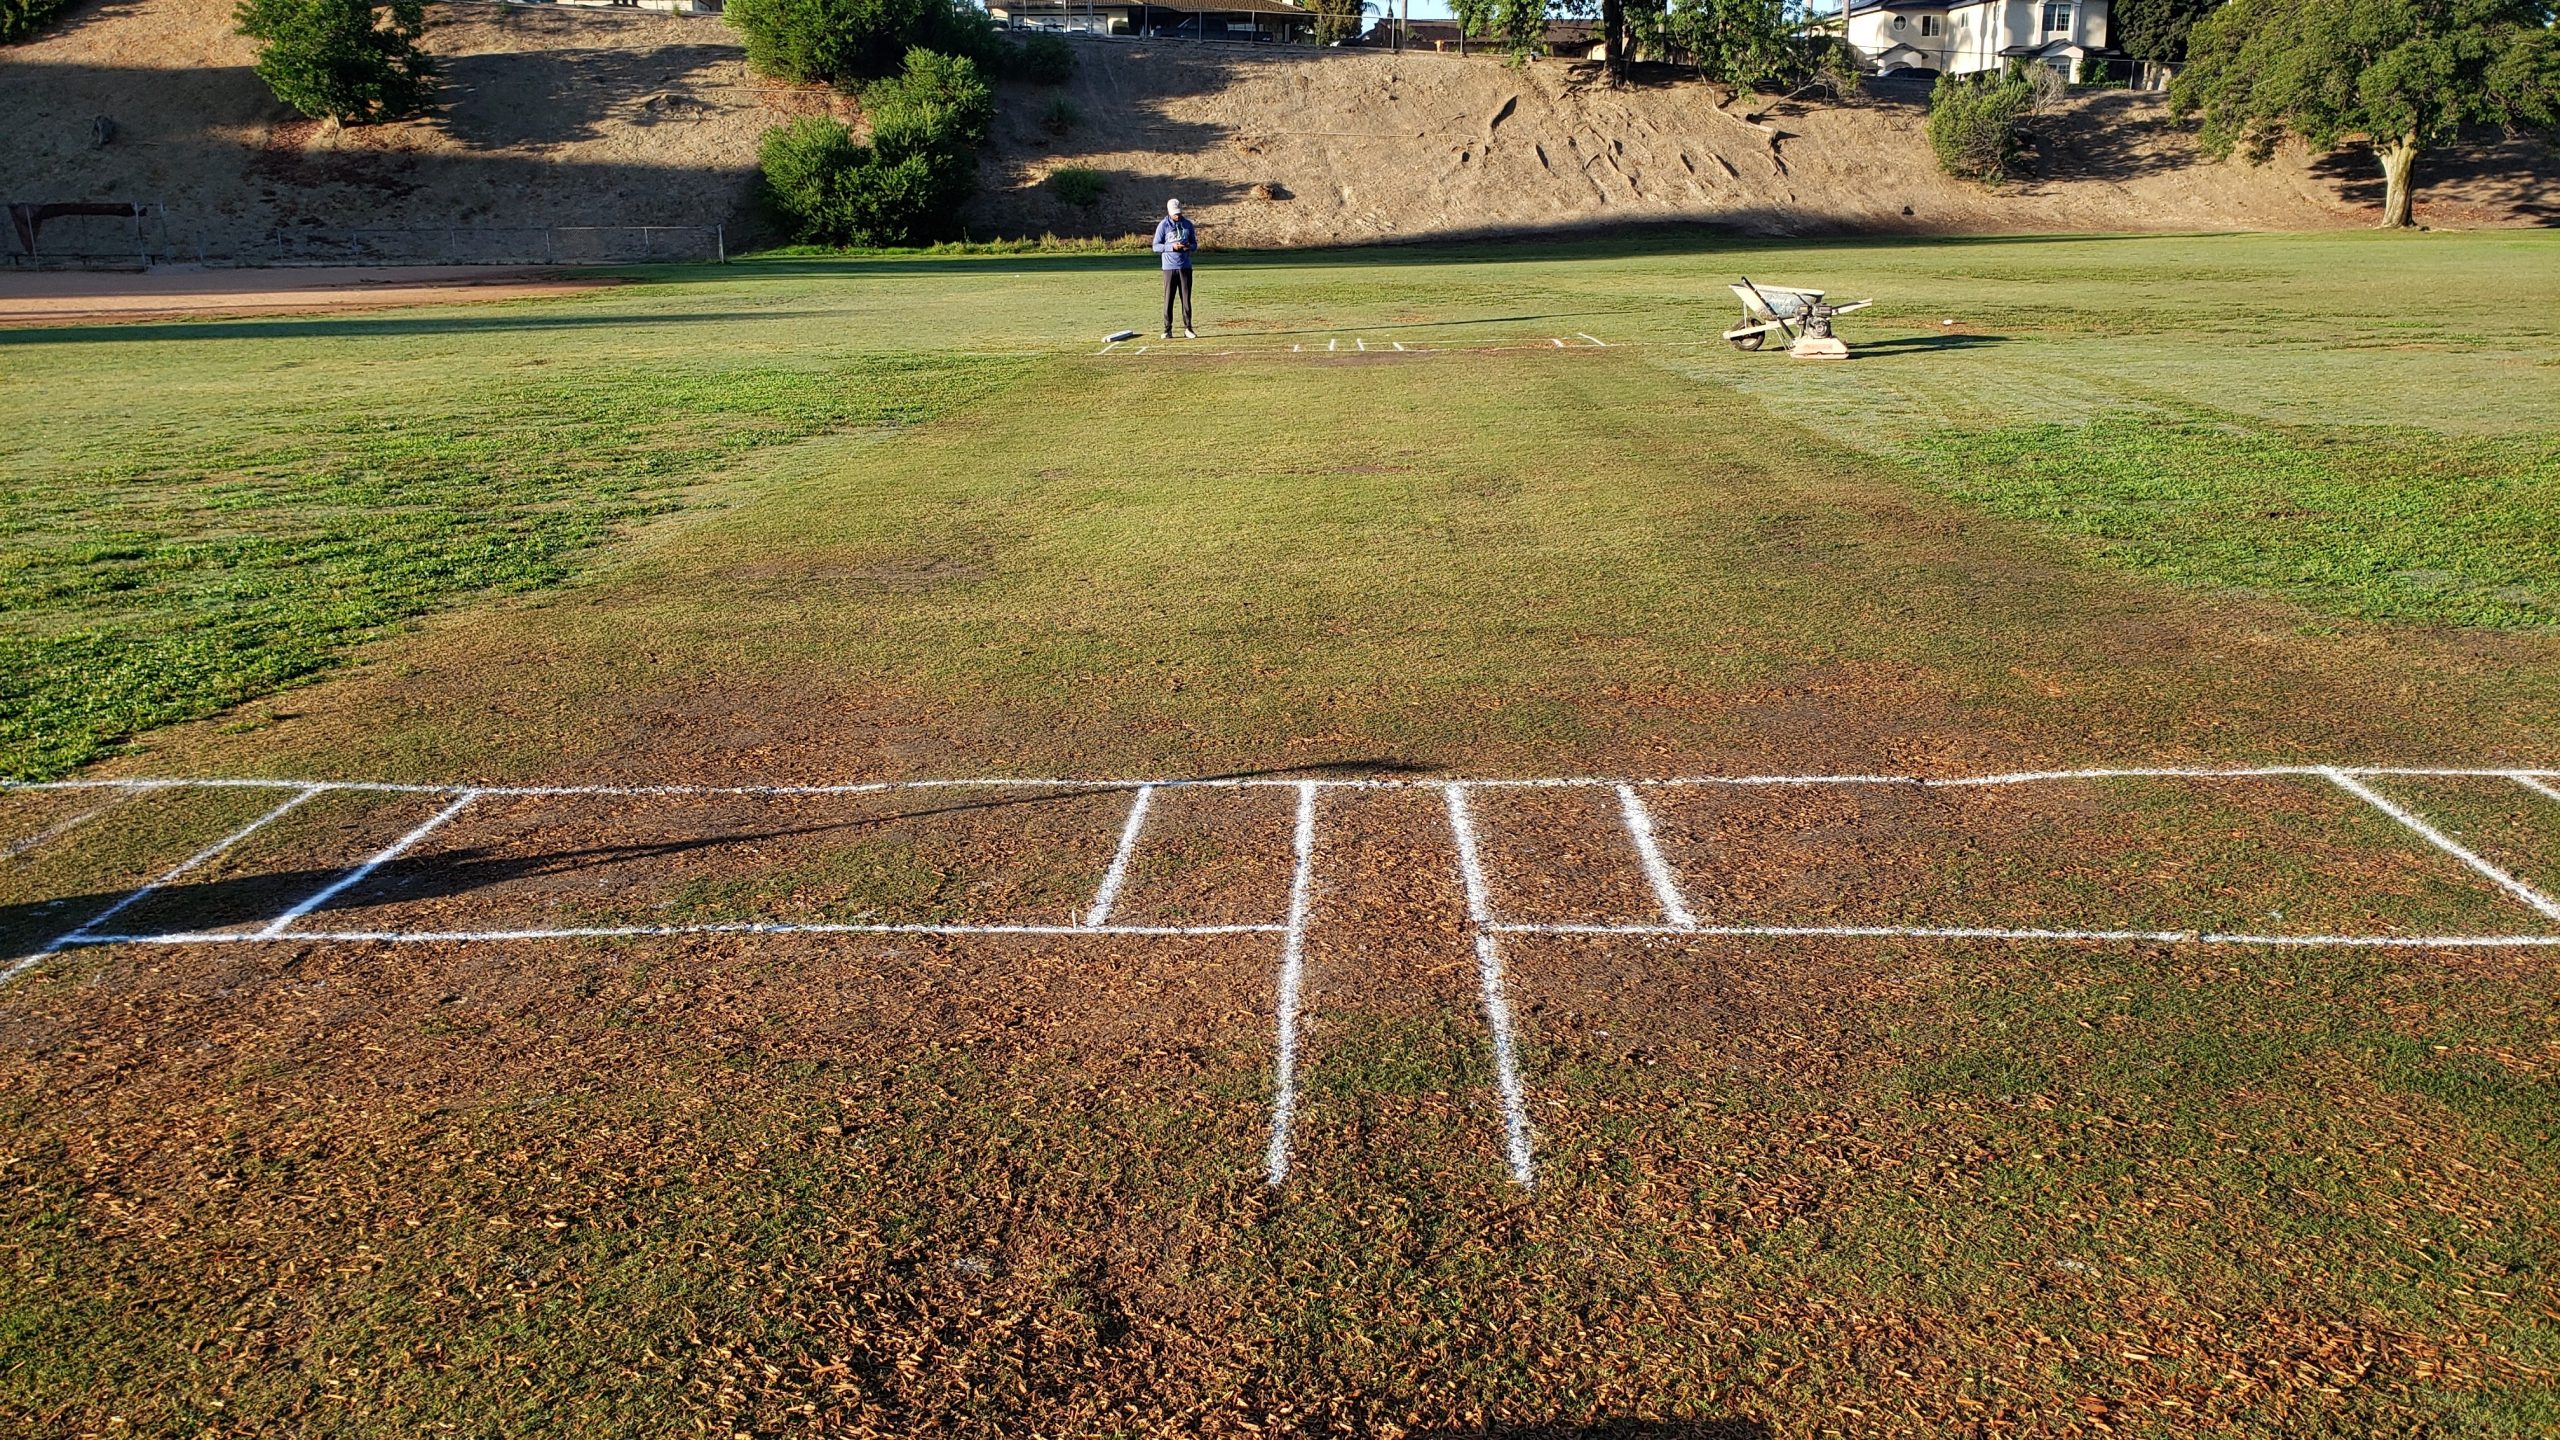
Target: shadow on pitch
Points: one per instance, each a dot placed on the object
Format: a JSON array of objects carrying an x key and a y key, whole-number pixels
[{"x": 431, "y": 874}]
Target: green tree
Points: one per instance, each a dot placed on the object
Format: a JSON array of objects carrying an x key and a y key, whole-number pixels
[
  {"x": 2155, "y": 30},
  {"x": 20, "y": 19},
  {"x": 1474, "y": 17},
  {"x": 1336, "y": 20},
  {"x": 907, "y": 182},
  {"x": 845, "y": 42},
  {"x": 1741, "y": 43},
  {"x": 352, "y": 61},
  {"x": 2405, "y": 74},
  {"x": 1974, "y": 123}
]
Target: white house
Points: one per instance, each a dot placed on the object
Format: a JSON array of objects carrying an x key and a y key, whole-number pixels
[{"x": 1960, "y": 37}]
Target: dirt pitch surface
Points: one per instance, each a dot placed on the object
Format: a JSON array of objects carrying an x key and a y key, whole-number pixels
[{"x": 86, "y": 297}]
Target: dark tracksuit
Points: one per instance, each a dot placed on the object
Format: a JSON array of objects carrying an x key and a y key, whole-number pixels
[{"x": 1177, "y": 264}]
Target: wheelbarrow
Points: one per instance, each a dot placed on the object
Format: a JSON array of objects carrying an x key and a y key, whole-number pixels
[{"x": 1798, "y": 314}]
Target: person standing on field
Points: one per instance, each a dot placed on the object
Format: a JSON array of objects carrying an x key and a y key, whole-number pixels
[{"x": 1177, "y": 240}]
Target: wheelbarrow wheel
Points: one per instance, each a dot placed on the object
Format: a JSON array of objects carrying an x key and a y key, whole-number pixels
[{"x": 1752, "y": 341}]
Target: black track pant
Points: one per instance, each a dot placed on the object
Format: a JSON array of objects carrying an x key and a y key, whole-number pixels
[{"x": 1177, "y": 282}]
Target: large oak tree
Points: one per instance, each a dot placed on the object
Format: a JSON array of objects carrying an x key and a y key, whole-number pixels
[{"x": 2404, "y": 74}]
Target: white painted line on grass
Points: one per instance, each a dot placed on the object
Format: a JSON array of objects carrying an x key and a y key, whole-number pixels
[
  {"x": 1359, "y": 344},
  {"x": 1994, "y": 932},
  {"x": 276, "y": 928},
  {"x": 2549, "y": 908},
  {"x": 1497, "y": 1011},
  {"x": 1293, "y": 973},
  {"x": 1594, "y": 339},
  {"x": 1330, "y": 344},
  {"x": 2538, "y": 787},
  {"x": 1666, "y": 891},
  {"x": 60, "y": 828},
  {"x": 1399, "y": 344},
  {"x": 86, "y": 932},
  {"x": 610, "y": 932},
  {"x": 1073, "y": 786},
  {"x": 1556, "y": 342},
  {"x": 1109, "y": 894}
]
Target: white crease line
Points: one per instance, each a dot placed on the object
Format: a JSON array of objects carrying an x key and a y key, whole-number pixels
[
  {"x": 1330, "y": 344},
  {"x": 1982, "y": 932},
  {"x": 1293, "y": 972},
  {"x": 1666, "y": 891},
  {"x": 2546, "y": 791},
  {"x": 1559, "y": 344},
  {"x": 86, "y": 932},
  {"x": 1594, "y": 339},
  {"x": 1109, "y": 894},
  {"x": 1398, "y": 344},
  {"x": 2548, "y": 907},
  {"x": 1067, "y": 787},
  {"x": 608, "y": 932},
  {"x": 1108, "y": 348},
  {"x": 1359, "y": 344},
  {"x": 276, "y": 928},
  {"x": 1497, "y": 1011},
  {"x": 60, "y": 828}
]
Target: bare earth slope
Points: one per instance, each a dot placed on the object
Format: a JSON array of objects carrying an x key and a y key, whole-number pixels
[{"x": 589, "y": 117}]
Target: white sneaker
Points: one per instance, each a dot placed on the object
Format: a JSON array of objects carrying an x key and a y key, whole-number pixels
[
  {"x": 1190, "y": 334},
  {"x": 1166, "y": 335}
]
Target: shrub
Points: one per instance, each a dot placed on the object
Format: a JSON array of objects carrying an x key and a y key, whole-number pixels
[
  {"x": 1973, "y": 124},
  {"x": 333, "y": 59},
  {"x": 1078, "y": 185},
  {"x": 1035, "y": 59},
  {"x": 905, "y": 186},
  {"x": 845, "y": 42},
  {"x": 20, "y": 19},
  {"x": 1061, "y": 116}
]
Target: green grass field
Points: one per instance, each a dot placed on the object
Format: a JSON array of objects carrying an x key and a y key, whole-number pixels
[{"x": 2164, "y": 500}]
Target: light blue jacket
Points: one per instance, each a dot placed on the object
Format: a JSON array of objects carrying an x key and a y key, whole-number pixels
[{"x": 1174, "y": 228}]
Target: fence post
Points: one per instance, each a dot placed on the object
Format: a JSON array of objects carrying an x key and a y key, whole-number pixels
[{"x": 720, "y": 237}]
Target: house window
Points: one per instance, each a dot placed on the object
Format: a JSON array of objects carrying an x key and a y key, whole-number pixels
[
  {"x": 1928, "y": 25},
  {"x": 2057, "y": 17},
  {"x": 1897, "y": 22}
]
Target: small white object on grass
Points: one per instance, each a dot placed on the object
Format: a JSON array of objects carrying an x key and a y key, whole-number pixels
[
  {"x": 1116, "y": 336},
  {"x": 1946, "y": 322}
]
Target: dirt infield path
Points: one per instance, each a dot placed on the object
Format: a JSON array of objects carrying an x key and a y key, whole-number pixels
[{"x": 85, "y": 297}]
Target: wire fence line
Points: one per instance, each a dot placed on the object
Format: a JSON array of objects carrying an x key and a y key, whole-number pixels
[
  {"x": 497, "y": 245},
  {"x": 152, "y": 238}
]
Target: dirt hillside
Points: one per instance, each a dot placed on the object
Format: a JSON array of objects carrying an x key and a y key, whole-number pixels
[{"x": 579, "y": 117}]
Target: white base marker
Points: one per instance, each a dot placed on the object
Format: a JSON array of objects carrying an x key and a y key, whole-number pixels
[
  {"x": 276, "y": 928},
  {"x": 1118, "y": 875},
  {"x": 1666, "y": 891},
  {"x": 1497, "y": 1010},
  {"x": 2548, "y": 907},
  {"x": 1293, "y": 974}
]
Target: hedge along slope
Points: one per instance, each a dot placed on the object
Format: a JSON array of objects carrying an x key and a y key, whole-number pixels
[{"x": 22, "y": 18}]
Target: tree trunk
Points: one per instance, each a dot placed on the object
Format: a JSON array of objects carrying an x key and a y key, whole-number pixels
[
  {"x": 2398, "y": 159},
  {"x": 1613, "y": 37}
]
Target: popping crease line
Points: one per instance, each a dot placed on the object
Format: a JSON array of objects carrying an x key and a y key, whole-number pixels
[
  {"x": 2527, "y": 776},
  {"x": 1293, "y": 970},
  {"x": 607, "y": 932},
  {"x": 1118, "y": 875},
  {"x": 1497, "y": 1011},
  {"x": 1988, "y": 932}
]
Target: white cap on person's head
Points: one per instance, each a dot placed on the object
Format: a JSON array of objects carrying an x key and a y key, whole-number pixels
[{"x": 1173, "y": 207}]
